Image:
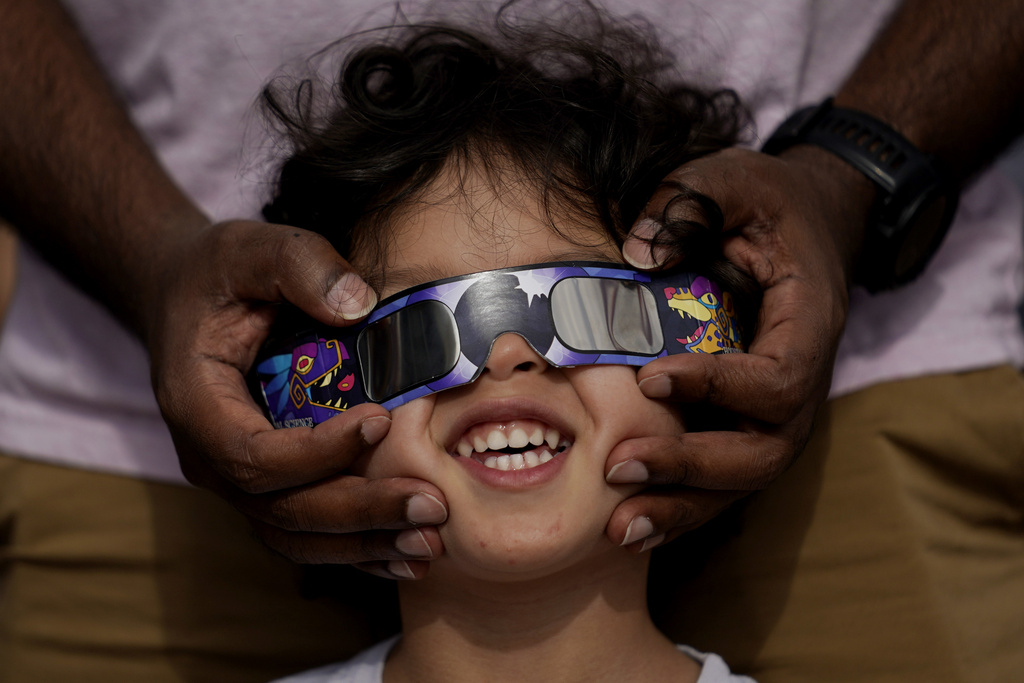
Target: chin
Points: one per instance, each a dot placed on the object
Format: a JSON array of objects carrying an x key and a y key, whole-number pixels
[{"x": 515, "y": 550}]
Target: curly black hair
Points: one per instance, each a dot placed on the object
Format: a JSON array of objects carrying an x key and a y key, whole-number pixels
[{"x": 595, "y": 118}]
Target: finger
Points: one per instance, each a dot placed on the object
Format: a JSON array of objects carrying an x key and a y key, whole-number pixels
[
  {"x": 347, "y": 504},
  {"x": 221, "y": 417},
  {"x": 641, "y": 250},
  {"x": 282, "y": 263},
  {"x": 731, "y": 178},
  {"x": 787, "y": 364},
  {"x": 764, "y": 389},
  {"x": 647, "y": 519},
  {"x": 732, "y": 460},
  {"x": 403, "y": 570},
  {"x": 720, "y": 177},
  {"x": 357, "y": 548}
]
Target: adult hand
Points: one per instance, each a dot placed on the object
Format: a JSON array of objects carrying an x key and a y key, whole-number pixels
[
  {"x": 794, "y": 223},
  {"x": 224, "y": 284}
]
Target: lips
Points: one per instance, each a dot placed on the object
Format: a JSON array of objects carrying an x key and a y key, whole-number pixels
[{"x": 519, "y": 444}]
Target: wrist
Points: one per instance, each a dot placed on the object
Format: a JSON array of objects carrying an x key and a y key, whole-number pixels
[
  {"x": 847, "y": 193},
  {"x": 914, "y": 203},
  {"x": 172, "y": 239}
]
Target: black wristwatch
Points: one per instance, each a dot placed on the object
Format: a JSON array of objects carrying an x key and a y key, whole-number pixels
[{"x": 915, "y": 202}]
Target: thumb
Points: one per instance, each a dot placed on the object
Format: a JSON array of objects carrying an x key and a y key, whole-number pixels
[
  {"x": 688, "y": 194},
  {"x": 641, "y": 250},
  {"x": 302, "y": 268},
  {"x": 683, "y": 196}
]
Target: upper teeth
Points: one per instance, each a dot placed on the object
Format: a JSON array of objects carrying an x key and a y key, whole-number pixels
[{"x": 517, "y": 436}]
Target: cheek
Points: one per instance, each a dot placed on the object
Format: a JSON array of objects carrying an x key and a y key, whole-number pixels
[
  {"x": 613, "y": 399},
  {"x": 407, "y": 450}
]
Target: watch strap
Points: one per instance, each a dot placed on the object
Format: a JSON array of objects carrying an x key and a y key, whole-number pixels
[
  {"x": 890, "y": 160},
  {"x": 906, "y": 177}
]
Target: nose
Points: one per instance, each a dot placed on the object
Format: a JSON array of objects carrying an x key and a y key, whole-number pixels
[{"x": 511, "y": 353}]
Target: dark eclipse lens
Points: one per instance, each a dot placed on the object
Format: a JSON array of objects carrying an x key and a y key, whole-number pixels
[{"x": 411, "y": 346}]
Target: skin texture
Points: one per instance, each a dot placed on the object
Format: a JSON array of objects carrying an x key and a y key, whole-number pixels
[
  {"x": 443, "y": 235},
  {"x": 947, "y": 75},
  {"x": 529, "y": 587},
  {"x": 8, "y": 248},
  {"x": 79, "y": 183},
  {"x": 775, "y": 389}
]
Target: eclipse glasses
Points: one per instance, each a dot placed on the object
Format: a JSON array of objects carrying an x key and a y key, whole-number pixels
[{"x": 438, "y": 335}]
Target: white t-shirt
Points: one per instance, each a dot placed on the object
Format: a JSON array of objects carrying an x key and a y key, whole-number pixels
[
  {"x": 74, "y": 385},
  {"x": 368, "y": 667}
]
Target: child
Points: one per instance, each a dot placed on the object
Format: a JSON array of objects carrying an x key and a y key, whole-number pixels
[{"x": 447, "y": 155}]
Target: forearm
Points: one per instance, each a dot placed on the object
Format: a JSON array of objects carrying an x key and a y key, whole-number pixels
[
  {"x": 948, "y": 75},
  {"x": 76, "y": 177}
]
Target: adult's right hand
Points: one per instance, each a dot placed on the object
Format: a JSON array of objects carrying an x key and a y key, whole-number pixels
[
  {"x": 83, "y": 186},
  {"x": 222, "y": 286}
]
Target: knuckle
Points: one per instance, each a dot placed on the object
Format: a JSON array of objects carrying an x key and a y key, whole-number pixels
[
  {"x": 364, "y": 517},
  {"x": 302, "y": 259},
  {"x": 690, "y": 514},
  {"x": 675, "y": 508},
  {"x": 705, "y": 382},
  {"x": 708, "y": 381},
  {"x": 684, "y": 472},
  {"x": 790, "y": 387},
  {"x": 223, "y": 239},
  {"x": 770, "y": 458},
  {"x": 296, "y": 247},
  {"x": 684, "y": 509},
  {"x": 298, "y": 549},
  {"x": 279, "y": 541},
  {"x": 246, "y": 478},
  {"x": 245, "y": 469},
  {"x": 285, "y": 512},
  {"x": 355, "y": 507},
  {"x": 371, "y": 548}
]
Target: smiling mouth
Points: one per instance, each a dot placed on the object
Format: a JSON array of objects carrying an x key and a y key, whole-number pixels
[{"x": 517, "y": 445}]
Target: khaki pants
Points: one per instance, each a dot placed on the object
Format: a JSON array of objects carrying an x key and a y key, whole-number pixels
[
  {"x": 893, "y": 550},
  {"x": 106, "y": 578}
]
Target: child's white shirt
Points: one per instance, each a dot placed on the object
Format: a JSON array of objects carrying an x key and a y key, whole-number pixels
[{"x": 368, "y": 667}]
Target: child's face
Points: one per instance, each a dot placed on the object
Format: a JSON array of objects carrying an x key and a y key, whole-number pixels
[{"x": 543, "y": 513}]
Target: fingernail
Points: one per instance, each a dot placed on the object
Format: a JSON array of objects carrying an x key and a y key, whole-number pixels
[
  {"x": 639, "y": 528},
  {"x": 400, "y": 569},
  {"x": 628, "y": 472},
  {"x": 374, "y": 429},
  {"x": 413, "y": 543},
  {"x": 659, "y": 386},
  {"x": 652, "y": 542},
  {"x": 423, "y": 508},
  {"x": 637, "y": 249},
  {"x": 351, "y": 297}
]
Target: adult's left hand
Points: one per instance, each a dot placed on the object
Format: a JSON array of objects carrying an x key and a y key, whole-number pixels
[{"x": 794, "y": 223}]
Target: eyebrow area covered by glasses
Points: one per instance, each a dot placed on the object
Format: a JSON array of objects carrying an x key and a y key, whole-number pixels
[{"x": 438, "y": 335}]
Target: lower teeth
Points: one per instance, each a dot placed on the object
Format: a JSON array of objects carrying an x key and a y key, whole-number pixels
[{"x": 518, "y": 461}]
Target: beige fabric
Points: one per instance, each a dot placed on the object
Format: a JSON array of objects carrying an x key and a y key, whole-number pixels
[
  {"x": 104, "y": 578},
  {"x": 893, "y": 550}
]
